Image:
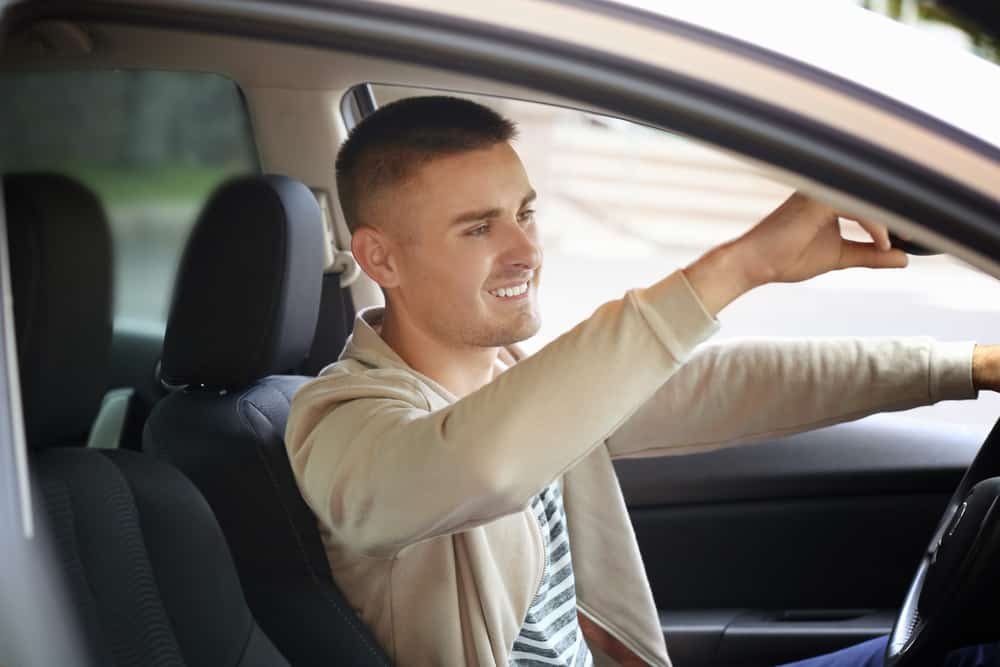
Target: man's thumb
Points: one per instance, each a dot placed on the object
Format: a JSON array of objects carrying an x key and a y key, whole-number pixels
[{"x": 856, "y": 253}]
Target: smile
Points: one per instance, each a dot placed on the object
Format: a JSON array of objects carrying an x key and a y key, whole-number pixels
[{"x": 508, "y": 292}]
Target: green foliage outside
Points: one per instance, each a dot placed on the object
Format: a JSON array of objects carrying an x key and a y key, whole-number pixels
[
  {"x": 130, "y": 135},
  {"x": 151, "y": 145},
  {"x": 928, "y": 12},
  {"x": 167, "y": 183}
]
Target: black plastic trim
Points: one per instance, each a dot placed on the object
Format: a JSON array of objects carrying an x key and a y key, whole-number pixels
[
  {"x": 250, "y": 135},
  {"x": 812, "y": 553},
  {"x": 881, "y": 454},
  {"x": 365, "y": 99},
  {"x": 357, "y": 102},
  {"x": 712, "y": 637}
]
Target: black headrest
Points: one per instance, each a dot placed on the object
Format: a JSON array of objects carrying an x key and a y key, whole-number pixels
[
  {"x": 247, "y": 294},
  {"x": 61, "y": 264}
]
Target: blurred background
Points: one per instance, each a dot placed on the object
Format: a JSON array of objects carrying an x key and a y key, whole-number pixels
[
  {"x": 620, "y": 204},
  {"x": 151, "y": 144}
]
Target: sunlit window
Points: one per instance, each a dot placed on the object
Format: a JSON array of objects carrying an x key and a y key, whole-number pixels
[{"x": 621, "y": 205}]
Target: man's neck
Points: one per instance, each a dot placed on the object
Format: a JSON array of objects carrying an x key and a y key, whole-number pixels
[{"x": 459, "y": 369}]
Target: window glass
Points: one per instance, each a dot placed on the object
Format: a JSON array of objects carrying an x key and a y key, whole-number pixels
[
  {"x": 152, "y": 145},
  {"x": 621, "y": 205}
]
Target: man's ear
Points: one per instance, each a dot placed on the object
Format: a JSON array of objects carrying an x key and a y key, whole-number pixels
[{"x": 373, "y": 250}]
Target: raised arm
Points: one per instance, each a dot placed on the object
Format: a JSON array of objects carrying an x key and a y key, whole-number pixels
[
  {"x": 382, "y": 471},
  {"x": 751, "y": 389}
]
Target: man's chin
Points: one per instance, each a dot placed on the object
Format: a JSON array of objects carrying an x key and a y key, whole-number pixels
[
  {"x": 512, "y": 333},
  {"x": 524, "y": 332}
]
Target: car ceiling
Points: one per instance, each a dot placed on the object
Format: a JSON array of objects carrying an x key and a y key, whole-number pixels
[{"x": 252, "y": 63}]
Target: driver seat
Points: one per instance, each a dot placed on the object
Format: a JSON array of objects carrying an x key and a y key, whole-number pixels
[{"x": 245, "y": 309}]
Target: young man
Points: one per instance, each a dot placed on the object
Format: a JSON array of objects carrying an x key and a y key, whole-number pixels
[{"x": 465, "y": 493}]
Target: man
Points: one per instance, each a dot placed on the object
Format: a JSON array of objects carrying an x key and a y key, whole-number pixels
[{"x": 465, "y": 493}]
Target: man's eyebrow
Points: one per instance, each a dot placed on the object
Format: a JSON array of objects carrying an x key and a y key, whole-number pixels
[
  {"x": 472, "y": 216},
  {"x": 487, "y": 213}
]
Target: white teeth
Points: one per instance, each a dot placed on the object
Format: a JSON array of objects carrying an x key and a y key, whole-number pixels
[{"x": 510, "y": 291}]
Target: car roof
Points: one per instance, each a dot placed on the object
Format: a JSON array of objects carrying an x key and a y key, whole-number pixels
[{"x": 921, "y": 69}]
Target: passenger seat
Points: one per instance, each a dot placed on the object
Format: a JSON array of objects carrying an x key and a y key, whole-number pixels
[{"x": 147, "y": 569}]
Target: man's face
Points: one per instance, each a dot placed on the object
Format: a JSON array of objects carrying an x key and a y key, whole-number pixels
[{"x": 467, "y": 249}]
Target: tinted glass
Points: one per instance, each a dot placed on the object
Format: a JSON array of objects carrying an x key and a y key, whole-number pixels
[{"x": 152, "y": 145}]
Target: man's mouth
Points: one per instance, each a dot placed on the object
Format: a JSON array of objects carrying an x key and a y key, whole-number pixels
[{"x": 510, "y": 292}]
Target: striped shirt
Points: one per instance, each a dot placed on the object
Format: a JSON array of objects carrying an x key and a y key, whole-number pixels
[{"x": 551, "y": 632}]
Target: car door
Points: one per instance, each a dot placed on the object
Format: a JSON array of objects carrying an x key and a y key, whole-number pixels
[
  {"x": 790, "y": 547},
  {"x": 686, "y": 512}
]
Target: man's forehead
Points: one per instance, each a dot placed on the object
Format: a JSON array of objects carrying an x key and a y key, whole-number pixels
[{"x": 446, "y": 187}]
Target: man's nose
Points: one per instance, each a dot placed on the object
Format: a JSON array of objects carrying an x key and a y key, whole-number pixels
[{"x": 522, "y": 248}]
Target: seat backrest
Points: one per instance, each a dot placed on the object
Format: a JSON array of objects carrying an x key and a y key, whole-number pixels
[
  {"x": 146, "y": 563},
  {"x": 61, "y": 269},
  {"x": 146, "y": 568},
  {"x": 245, "y": 308}
]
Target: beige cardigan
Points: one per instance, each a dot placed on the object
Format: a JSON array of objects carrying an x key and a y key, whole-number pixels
[{"x": 422, "y": 499}]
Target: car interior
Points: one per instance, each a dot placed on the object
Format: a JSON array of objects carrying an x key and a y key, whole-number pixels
[{"x": 156, "y": 448}]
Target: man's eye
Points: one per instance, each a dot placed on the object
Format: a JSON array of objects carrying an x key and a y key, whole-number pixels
[
  {"x": 479, "y": 231},
  {"x": 526, "y": 215}
]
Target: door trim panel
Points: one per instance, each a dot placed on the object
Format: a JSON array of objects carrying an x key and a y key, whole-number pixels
[{"x": 881, "y": 454}]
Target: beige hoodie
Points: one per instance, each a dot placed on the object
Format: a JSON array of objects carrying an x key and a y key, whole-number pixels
[{"x": 422, "y": 499}]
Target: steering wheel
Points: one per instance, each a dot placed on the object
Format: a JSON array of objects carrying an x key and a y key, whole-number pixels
[{"x": 954, "y": 598}]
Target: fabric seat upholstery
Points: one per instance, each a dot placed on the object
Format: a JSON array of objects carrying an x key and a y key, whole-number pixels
[
  {"x": 244, "y": 311},
  {"x": 146, "y": 563},
  {"x": 61, "y": 269},
  {"x": 148, "y": 572}
]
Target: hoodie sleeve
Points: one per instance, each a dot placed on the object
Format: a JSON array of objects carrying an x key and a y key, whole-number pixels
[
  {"x": 752, "y": 389},
  {"x": 382, "y": 471}
]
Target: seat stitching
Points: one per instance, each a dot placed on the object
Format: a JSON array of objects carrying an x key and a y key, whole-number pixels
[
  {"x": 131, "y": 510},
  {"x": 68, "y": 492},
  {"x": 246, "y": 645},
  {"x": 246, "y": 642},
  {"x": 244, "y": 398}
]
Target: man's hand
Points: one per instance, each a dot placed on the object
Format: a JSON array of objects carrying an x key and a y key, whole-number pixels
[
  {"x": 799, "y": 240},
  {"x": 986, "y": 367}
]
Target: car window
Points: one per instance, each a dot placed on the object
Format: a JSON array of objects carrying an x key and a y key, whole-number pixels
[
  {"x": 151, "y": 144},
  {"x": 621, "y": 205}
]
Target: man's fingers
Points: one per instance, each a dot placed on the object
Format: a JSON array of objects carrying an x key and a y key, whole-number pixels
[
  {"x": 879, "y": 233},
  {"x": 868, "y": 255}
]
